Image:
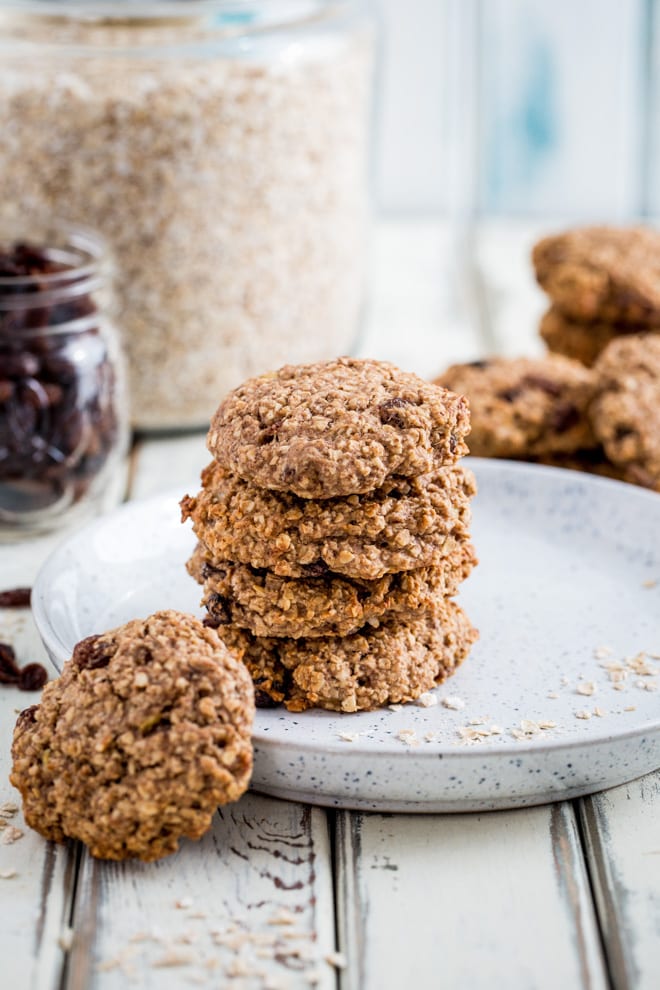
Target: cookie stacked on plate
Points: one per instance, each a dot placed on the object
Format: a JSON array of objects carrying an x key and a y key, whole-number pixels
[
  {"x": 603, "y": 282},
  {"x": 333, "y": 533}
]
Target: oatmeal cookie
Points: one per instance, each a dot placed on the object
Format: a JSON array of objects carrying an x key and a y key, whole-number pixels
[
  {"x": 376, "y": 666},
  {"x": 626, "y": 410},
  {"x": 524, "y": 407},
  {"x": 406, "y": 523},
  {"x": 269, "y": 605},
  {"x": 134, "y": 746},
  {"x": 337, "y": 428},
  {"x": 582, "y": 342},
  {"x": 607, "y": 274}
]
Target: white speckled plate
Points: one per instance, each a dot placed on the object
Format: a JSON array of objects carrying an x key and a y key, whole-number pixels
[{"x": 567, "y": 599}]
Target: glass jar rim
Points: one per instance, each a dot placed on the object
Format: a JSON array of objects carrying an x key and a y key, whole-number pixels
[{"x": 87, "y": 262}]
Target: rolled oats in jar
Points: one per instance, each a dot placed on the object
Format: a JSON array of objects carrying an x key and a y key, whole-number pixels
[{"x": 221, "y": 149}]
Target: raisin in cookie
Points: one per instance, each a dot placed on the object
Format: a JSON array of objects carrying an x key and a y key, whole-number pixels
[
  {"x": 522, "y": 407},
  {"x": 374, "y": 667},
  {"x": 134, "y": 746},
  {"x": 406, "y": 523},
  {"x": 607, "y": 274},
  {"x": 336, "y": 428},
  {"x": 269, "y": 605},
  {"x": 626, "y": 410}
]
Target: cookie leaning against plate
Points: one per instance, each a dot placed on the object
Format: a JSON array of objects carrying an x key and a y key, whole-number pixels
[
  {"x": 610, "y": 274},
  {"x": 626, "y": 410},
  {"x": 269, "y": 605},
  {"x": 337, "y": 428},
  {"x": 522, "y": 407},
  {"x": 406, "y": 523},
  {"x": 145, "y": 733},
  {"x": 390, "y": 664}
]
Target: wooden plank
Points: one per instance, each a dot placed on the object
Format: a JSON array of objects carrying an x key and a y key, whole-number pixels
[
  {"x": 561, "y": 107},
  {"x": 36, "y": 877},
  {"x": 622, "y": 837},
  {"x": 250, "y": 904},
  {"x": 482, "y": 901}
]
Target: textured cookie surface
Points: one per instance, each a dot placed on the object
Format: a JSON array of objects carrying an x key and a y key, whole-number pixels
[
  {"x": 336, "y": 428},
  {"x": 406, "y": 523},
  {"x": 602, "y": 273},
  {"x": 144, "y": 734},
  {"x": 626, "y": 410},
  {"x": 525, "y": 406},
  {"x": 374, "y": 667},
  {"x": 581, "y": 341},
  {"x": 269, "y": 605}
]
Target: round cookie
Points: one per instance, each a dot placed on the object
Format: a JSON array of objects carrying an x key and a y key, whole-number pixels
[
  {"x": 374, "y": 667},
  {"x": 134, "y": 746},
  {"x": 582, "y": 342},
  {"x": 406, "y": 523},
  {"x": 336, "y": 428},
  {"x": 609, "y": 274},
  {"x": 525, "y": 407},
  {"x": 269, "y": 605},
  {"x": 626, "y": 410}
]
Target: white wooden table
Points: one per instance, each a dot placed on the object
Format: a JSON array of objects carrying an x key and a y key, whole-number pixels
[{"x": 284, "y": 895}]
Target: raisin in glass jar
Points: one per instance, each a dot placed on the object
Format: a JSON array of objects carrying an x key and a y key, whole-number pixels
[
  {"x": 63, "y": 413},
  {"x": 221, "y": 148}
]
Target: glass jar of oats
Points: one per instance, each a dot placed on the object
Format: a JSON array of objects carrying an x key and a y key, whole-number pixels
[{"x": 220, "y": 148}]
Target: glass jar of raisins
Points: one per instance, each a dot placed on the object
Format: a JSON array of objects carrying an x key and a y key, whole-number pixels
[{"x": 63, "y": 415}]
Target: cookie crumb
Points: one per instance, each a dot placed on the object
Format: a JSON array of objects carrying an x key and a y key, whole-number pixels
[
  {"x": 453, "y": 702},
  {"x": 408, "y": 737},
  {"x": 427, "y": 700},
  {"x": 586, "y": 688}
]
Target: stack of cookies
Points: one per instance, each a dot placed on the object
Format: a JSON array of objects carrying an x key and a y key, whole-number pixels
[
  {"x": 603, "y": 282},
  {"x": 333, "y": 534},
  {"x": 593, "y": 402}
]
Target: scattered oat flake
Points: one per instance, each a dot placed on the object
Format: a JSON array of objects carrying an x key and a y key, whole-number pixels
[
  {"x": 651, "y": 583},
  {"x": 336, "y": 959},
  {"x": 650, "y": 686},
  {"x": 547, "y": 723},
  {"x": 599, "y": 713},
  {"x": 618, "y": 687},
  {"x": 395, "y": 708},
  {"x": 529, "y": 726},
  {"x": 282, "y": 918},
  {"x": 552, "y": 694},
  {"x": 430, "y": 737},
  {"x": 8, "y": 874},
  {"x": 477, "y": 721},
  {"x": 65, "y": 941},
  {"x": 495, "y": 730},
  {"x": 583, "y": 714},
  {"x": 11, "y": 834},
  {"x": 349, "y": 737},
  {"x": 602, "y": 651},
  {"x": 173, "y": 958},
  {"x": 427, "y": 700},
  {"x": 564, "y": 681},
  {"x": 453, "y": 702},
  {"x": 8, "y": 809},
  {"x": 586, "y": 688},
  {"x": 630, "y": 708},
  {"x": 408, "y": 737}
]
